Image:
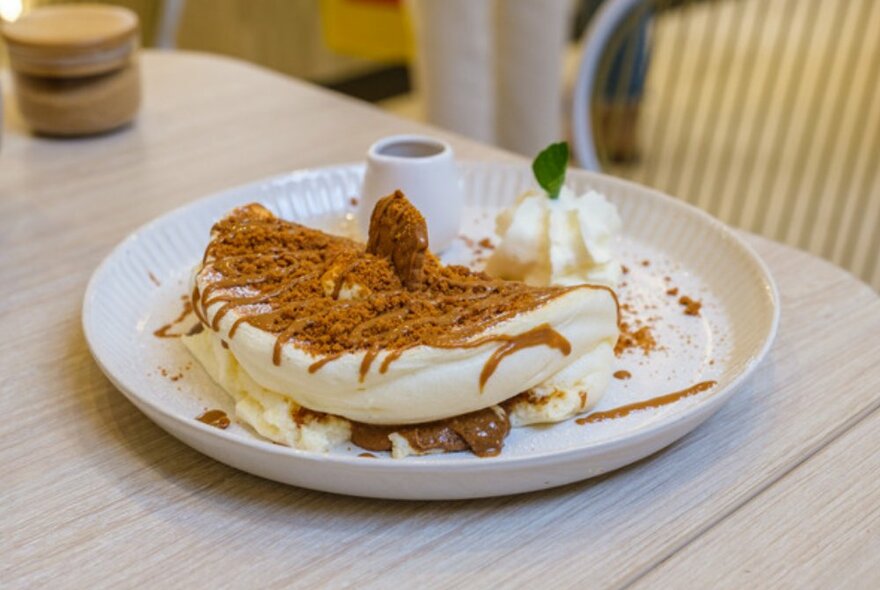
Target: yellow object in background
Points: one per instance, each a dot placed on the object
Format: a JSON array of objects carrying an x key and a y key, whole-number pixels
[{"x": 371, "y": 29}]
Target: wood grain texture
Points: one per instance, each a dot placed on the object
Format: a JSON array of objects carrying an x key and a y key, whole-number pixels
[
  {"x": 817, "y": 528},
  {"x": 95, "y": 495}
]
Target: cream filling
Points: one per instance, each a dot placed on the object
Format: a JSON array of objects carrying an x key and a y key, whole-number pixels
[
  {"x": 269, "y": 413},
  {"x": 572, "y": 391}
]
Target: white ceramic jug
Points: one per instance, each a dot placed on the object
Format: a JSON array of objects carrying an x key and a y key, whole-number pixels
[{"x": 424, "y": 169}]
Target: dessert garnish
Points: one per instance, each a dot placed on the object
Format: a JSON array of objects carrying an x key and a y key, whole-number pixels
[
  {"x": 399, "y": 232},
  {"x": 551, "y": 236},
  {"x": 549, "y": 168}
]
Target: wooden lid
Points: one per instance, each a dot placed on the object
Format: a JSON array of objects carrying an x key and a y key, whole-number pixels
[{"x": 72, "y": 40}]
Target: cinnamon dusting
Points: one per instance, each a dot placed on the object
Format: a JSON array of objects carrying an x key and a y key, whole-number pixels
[
  {"x": 174, "y": 377},
  {"x": 691, "y": 306},
  {"x": 635, "y": 332},
  {"x": 632, "y": 337}
]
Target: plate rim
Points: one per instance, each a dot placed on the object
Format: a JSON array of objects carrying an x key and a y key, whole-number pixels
[{"x": 416, "y": 463}]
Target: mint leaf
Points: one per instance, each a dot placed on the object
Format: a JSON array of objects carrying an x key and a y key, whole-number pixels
[{"x": 549, "y": 168}]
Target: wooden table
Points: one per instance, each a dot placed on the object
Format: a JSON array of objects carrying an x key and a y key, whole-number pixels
[{"x": 780, "y": 489}]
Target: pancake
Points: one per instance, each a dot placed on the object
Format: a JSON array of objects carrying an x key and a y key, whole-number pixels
[{"x": 385, "y": 334}]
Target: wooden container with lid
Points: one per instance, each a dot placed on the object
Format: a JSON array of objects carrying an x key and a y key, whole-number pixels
[{"x": 75, "y": 68}]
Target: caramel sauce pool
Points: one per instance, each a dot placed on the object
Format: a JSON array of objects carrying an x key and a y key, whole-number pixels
[
  {"x": 482, "y": 432},
  {"x": 215, "y": 418}
]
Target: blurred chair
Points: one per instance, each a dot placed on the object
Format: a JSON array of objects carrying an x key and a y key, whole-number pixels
[{"x": 765, "y": 113}]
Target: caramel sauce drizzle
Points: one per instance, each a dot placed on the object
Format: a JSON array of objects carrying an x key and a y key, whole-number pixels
[
  {"x": 340, "y": 280},
  {"x": 164, "y": 331},
  {"x": 314, "y": 367},
  {"x": 542, "y": 335},
  {"x": 655, "y": 402},
  {"x": 390, "y": 358},
  {"x": 195, "y": 301},
  {"x": 369, "y": 357}
]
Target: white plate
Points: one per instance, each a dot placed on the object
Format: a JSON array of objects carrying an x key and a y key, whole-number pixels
[{"x": 703, "y": 258}]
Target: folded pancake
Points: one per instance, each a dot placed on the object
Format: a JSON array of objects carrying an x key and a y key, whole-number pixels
[{"x": 387, "y": 335}]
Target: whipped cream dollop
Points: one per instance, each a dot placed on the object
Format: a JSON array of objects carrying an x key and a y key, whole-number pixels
[{"x": 565, "y": 241}]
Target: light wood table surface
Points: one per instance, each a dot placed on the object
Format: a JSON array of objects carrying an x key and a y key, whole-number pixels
[{"x": 780, "y": 489}]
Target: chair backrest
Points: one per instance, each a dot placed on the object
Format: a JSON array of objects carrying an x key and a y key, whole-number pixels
[{"x": 766, "y": 113}]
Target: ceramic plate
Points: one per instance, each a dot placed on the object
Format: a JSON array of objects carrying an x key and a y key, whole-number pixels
[{"x": 670, "y": 249}]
